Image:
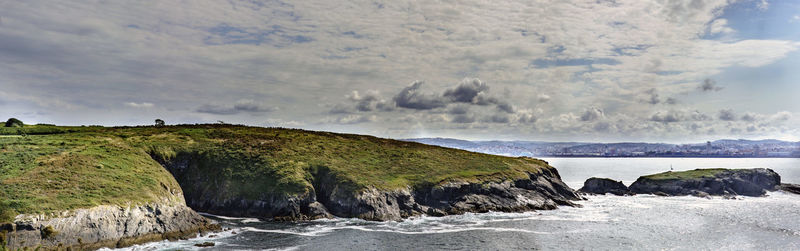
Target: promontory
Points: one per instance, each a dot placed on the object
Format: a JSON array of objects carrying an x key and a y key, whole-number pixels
[{"x": 90, "y": 186}]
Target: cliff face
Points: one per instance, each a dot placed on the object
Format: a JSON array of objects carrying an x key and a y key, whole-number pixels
[
  {"x": 748, "y": 182},
  {"x": 330, "y": 195},
  {"x": 105, "y": 226},
  {"x": 603, "y": 185}
]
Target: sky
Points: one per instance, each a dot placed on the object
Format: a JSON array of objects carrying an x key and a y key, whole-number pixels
[{"x": 595, "y": 71}]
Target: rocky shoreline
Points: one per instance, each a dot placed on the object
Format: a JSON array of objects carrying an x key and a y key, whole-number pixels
[
  {"x": 105, "y": 226},
  {"x": 698, "y": 182},
  {"x": 331, "y": 196}
]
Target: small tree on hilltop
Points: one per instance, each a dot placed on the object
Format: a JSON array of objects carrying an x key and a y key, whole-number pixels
[
  {"x": 159, "y": 122},
  {"x": 13, "y": 122}
]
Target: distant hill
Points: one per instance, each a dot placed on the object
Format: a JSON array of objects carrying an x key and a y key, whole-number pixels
[{"x": 717, "y": 148}]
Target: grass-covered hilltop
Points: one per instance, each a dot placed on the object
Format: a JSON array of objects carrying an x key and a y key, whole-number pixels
[{"x": 266, "y": 172}]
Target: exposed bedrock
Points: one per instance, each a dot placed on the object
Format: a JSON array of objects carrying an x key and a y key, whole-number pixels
[
  {"x": 330, "y": 195},
  {"x": 105, "y": 226},
  {"x": 603, "y": 186},
  {"x": 747, "y": 182}
]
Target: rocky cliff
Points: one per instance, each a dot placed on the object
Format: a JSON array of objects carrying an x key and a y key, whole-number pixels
[
  {"x": 104, "y": 226},
  {"x": 603, "y": 186},
  {"x": 747, "y": 182},
  {"x": 331, "y": 195}
]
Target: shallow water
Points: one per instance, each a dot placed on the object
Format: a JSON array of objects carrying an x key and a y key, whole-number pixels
[{"x": 603, "y": 223}]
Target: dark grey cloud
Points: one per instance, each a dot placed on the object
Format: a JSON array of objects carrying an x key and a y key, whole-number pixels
[
  {"x": 467, "y": 92},
  {"x": 602, "y": 126},
  {"x": 370, "y": 101},
  {"x": 248, "y": 106},
  {"x": 340, "y": 109},
  {"x": 505, "y": 107},
  {"x": 527, "y": 118},
  {"x": 411, "y": 98},
  {"x": 499, "y": 118},
  {"x": 592, "y": 114},
  {"x": 726, "y": 115},
  {"x": 709, "y": 85},
  {"x": 671, "y": 101},
  {"x": 458, "y": 109},
  {"x": 463, "y": 119}
]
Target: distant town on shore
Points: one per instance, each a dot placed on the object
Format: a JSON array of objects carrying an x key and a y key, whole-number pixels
[{"x": 769, "y": 148}]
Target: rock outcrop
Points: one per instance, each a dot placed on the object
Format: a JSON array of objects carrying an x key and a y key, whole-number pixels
[
  {"x": 330, "y": 196},
  {"x": 105, "y": 226},
  {"x": 702, "y": 182},
  {"x": 603, "y": 186},
  {"x": 791, "y": 188}
]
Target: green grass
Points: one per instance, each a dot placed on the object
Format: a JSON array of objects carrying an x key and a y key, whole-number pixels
[
  {"x": 78, "y": 167},
  {"x": 691, "y": 174}
]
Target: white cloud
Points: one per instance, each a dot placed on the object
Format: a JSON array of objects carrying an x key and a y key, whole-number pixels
[
  {"x": 139, "y": 105},
  {"x": 243, "y": 59}
]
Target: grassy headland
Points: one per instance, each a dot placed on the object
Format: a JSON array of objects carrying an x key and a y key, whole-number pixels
[
  {"x": 683, "y": 175},
  {"x": 46, "y": 168}
]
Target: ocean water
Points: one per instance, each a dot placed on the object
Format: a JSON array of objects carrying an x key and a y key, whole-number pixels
[{"x": 641, "y": 222}]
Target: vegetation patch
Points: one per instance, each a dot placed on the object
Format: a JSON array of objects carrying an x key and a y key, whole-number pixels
[
  {"x": 691, "y": 174},
  {"x": 56, "y": 168}
]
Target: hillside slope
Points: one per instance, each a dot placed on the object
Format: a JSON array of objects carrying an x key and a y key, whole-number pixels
[{"x": 266, "y": 172}]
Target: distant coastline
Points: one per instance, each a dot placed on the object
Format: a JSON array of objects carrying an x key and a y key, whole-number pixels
[
  {"x": 668, "y": 156},
  {"x": 725, "y": 148}
]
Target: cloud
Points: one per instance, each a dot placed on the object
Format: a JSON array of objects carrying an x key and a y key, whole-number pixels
[
  {"x": 720, "y": 26},
  {"x": 542, "y": 98},
  {"x": 458, "y": 109},
  {"x": 139, "y": 105},
  {"x": 762, "y": 5},
  {"x": 241, "y": 106},
  {"x": 592, "y": 114},
  {"x": 699, "y": 116},
  {"x": 726, "y": 115},
  {"x": 356, "y": 119},
  {"x": 667, "y": 117},
  {"x": 499, "y": 118},
  {"x": 411, "y": 98},
  {"x": 371, "y": 101},
  {"x": 469, "y": 91},
  {"x": 652, "y": 97},
  {"x": 709, "y": 85},
  {"x": 63, "y": 57},
  {"x": 463, "y": 119},
  {"x": 750, "y": 117}
]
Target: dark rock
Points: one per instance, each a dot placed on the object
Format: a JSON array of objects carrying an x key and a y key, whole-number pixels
[
  {"x": 747, "y": 182},
  {"x": 204, "y": 244},
  {"x": 332, "y": 196},
  {"x": 792, "y": 188},
  {"x": 603, "y": 186}
]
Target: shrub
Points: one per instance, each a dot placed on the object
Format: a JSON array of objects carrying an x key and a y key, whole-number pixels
[
  {"x": 48, "y": 232},
  {"x": 13, "y": 122}
]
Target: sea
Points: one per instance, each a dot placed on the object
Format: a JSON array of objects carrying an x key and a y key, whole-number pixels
[{"x": 603, "y": 222}]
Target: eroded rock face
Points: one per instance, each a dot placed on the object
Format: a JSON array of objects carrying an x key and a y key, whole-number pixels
[
  {"x": 331, "y": 196},
  {"x": 747, "y": 182},
  {"x": 106, "y": 226},
  {"x": 603, "y": 186},
  {"x": 792, "y": 188}
]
